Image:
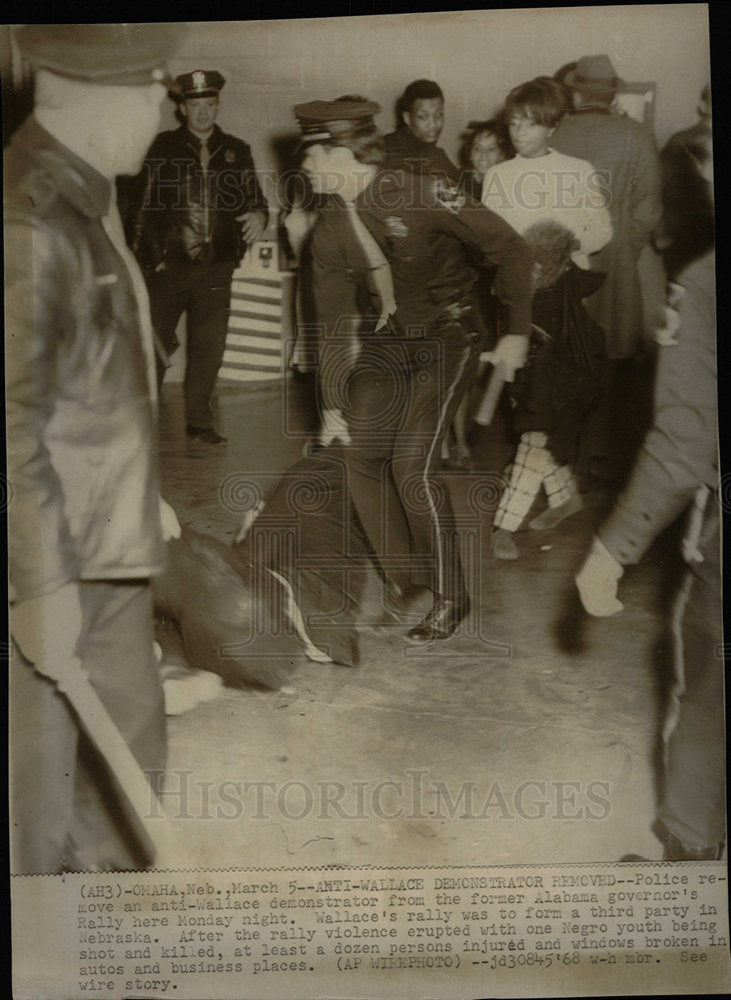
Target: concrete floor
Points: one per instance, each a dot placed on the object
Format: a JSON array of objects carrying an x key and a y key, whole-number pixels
[{"x": 528, "y": 737}]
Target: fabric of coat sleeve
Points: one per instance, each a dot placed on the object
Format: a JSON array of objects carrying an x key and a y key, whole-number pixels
[
  {"x": 500, "y": 246},
  {"x": 224, "y": 610},
  {"x": 309, "y": 534},
  {"x": 221, "y": 614},
  {"x": 344, "y": 304},
  {"x": 41, "y": 551},
  {"x": 680, "y": 453}
]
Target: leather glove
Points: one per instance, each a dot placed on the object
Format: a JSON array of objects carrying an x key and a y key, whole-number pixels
[
  {"x": 597, "y": 582},
  {"x": 333, "y": 427},
  {"x": 512, "y": 351},
  {"x": 46, "y": 629},
  {"x": 169, "y": 521}
]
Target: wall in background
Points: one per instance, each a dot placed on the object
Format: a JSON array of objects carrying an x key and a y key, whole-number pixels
[{"x": 476, "y": 56}]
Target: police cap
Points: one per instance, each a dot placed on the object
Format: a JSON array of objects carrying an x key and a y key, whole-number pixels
[
  {"x": 199, "y": 83},
  {"x": 323, "y": 120},
  {"x": 110, "y": 54}
]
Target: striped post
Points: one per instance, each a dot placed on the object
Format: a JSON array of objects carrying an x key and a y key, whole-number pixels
[{"x": 254, "y": 342}]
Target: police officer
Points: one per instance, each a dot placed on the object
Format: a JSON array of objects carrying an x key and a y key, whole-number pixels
[
  {"x": 390, "y": 273},
  {"x": 198, "y": 206},
  {"x": 677, "y": 472}
]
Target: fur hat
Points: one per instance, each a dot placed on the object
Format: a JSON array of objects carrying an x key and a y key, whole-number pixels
[{"x": 552, "y": 245}]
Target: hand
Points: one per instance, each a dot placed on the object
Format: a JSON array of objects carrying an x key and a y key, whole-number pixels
[
  {"x": 253, "y": 225},
  {"x": 333, "y": 427},
  {"x": 597, "y": 582},
  {"x": 512, "y": 351},
  {"x": 169, "y": 521},
  {"x": 46, "y": 629}
]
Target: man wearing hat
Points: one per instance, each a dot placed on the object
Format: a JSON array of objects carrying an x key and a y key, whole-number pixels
[
  {"x": 86, "y": 523},
  {"x": 390, "y": 272},
  {"x": 197, "y": 207},
  {"x": 623, "y": 152}
]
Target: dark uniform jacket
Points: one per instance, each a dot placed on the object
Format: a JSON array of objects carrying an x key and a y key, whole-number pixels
[
  {"x": 423, "y": 231},
  {"x": 405, "y": 152},
  {"x": 178, "y": 214},
  {"x": 82, "y": 436}
]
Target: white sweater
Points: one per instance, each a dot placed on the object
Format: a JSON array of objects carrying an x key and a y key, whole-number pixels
[{"x": 562, "y": 188}]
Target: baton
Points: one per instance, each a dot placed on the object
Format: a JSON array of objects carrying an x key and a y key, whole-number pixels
[
  {"x": 158, "y": 836},
  {"x": 488, "y": 403}
]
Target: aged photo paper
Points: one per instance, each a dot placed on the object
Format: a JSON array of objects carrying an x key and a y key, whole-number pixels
[{"x": 340, "y": 812}]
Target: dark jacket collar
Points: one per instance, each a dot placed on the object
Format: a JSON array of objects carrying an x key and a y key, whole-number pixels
[
  {"x": 77, "y": 181},
  {"x": 214, "y": 139},
  {"x": 405, "y": 137}
]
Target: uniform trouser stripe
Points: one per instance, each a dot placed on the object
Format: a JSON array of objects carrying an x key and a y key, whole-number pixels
[
  {"x": 436, "y": 440},
  {"x": 692, "y": 804},
  {"x": 673, "y": 713},
  {"x": 402, "y": 396}
]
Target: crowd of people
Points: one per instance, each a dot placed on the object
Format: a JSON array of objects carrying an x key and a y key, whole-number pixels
[{"x": 527, "y": 256}]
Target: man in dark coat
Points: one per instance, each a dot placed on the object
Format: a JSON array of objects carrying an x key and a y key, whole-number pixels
[
  {"x": 413, "y": 146},
  {"x": 198, "y": 206},
  {"x": 687, "y": 227},
  {"x": 631, "y": 300},
  {"x": 624, "y": 154},
  {"x": 85, "y": 531}
]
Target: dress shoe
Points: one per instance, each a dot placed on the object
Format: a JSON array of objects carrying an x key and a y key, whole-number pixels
[
  {"x": 440, "y": 623},
  {"x": 676, "y": 850},
  {"x": 206, "y": 434}
]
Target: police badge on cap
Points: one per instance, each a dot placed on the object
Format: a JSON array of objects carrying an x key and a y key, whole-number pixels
[{"x": 199, "y": 83}]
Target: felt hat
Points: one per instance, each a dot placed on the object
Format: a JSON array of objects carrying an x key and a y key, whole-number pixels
[
  {"x": 110, "y": 54},
  {"x": 594, "y": 70}
]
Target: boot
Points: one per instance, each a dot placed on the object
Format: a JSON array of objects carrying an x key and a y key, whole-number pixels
[{"x": 441, "y": 622}]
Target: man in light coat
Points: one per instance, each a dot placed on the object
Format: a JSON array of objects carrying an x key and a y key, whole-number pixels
[{"x": 86, "y": 521}]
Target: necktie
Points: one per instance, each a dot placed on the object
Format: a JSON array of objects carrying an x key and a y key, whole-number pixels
[
  {"x": 379, "y": 267},
  {"x": 205, "y": 155}
]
